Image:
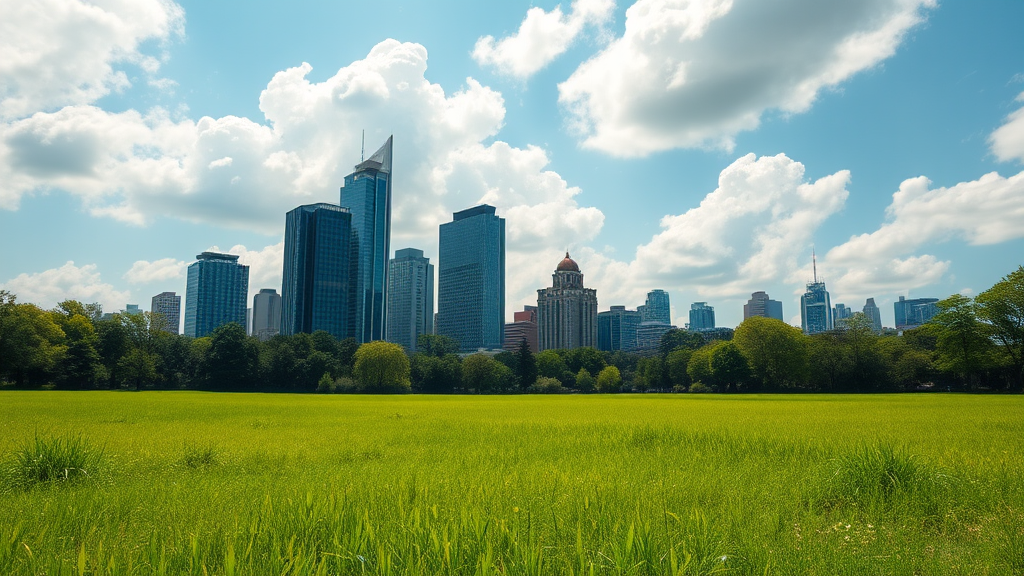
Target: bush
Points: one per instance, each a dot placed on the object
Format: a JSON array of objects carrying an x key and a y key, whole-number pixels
[
  {"x": 584, "y": 381},
  {"x": 54, "y": 460},
  {"x": 382, "y": 367},
  {"x": 609, "y": 380},
  {"x": 546, "y": 385},
  {"x": 326, "y": 384},
  {"x": 345, "y": 385},
  {"x": 699, "y": 388}
]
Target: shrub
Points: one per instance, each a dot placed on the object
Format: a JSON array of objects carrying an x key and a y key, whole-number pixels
[
  {"x": 584, "y": 381},
  {"x": 546, "y": 385},
  {"x": 700, "y": 388},
  {"x": 382, "y": 367},
  {"x": 53, "y": 460},
  {"x": 609, "y": 380},
  {"x": 200, "y": 456},
  {"x": 326, "y": 384}
]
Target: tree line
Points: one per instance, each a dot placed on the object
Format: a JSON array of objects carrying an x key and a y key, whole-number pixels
[{"x": 971, "y": 344}]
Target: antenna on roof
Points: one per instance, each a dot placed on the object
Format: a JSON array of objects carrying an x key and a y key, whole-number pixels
[
  {"x": 814, "y": 263},
  {"x": 362, "y": 147}
]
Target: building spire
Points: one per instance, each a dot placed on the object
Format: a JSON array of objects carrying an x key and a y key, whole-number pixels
[
  {"x": 814, "y": 264},
  {"x": 362, "y": 148}
]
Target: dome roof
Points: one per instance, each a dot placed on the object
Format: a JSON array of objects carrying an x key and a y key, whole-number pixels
[{"x": 567, "y": 265}]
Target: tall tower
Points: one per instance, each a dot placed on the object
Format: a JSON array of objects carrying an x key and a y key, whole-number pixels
[
  {"x": 471, "y": 278},
  {"x": 367, "y": 195},
  {"x": 816, "y": 306},
  {"x": 656, "y": 308},
  {"x": 874, "y": 314},
  {"x": 761, "y": 305},
  {"x": 168, "y": 304},
  {"x": 702, "y": 316},
  {"x": 215, "y": 294},
  {"x": 567, "y": 312},
  {"x": 410, "y": 297},
  {"x": 266, "y": 314}
]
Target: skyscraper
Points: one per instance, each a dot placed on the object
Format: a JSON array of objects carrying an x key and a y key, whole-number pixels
[
  {"x": 523, "y": 327},
  {"x": 760, "y": 305},
  {"x": 656, "y": 308},
  {"x": 913, "y": 312},
  {"x": 266, "y": 314},
  {"x": 567, "y": 312},
  {"x": 616, "y": 329},
  {"x": 410, "y": 297},
  {"x": 840, "y": 312},
  {"x": 168, "y": 305},
  {"x": 316, "y": 282},
  {"x": 215, "y": 294},
  {"x": 873, "y": 314},
  {"x": 816, "y": 306},
  {"x": 471, "y": 278},
  {"x": 367, "y": 195},
  {"x": 702, "y": 316}
]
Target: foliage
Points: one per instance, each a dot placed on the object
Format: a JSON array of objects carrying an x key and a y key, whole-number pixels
[
  {"x": 550, "y": 364},
  {"x": 963, "y": 342},
  {"x": 526, "y": 365},
  {"x": 584, "y": 358},
  {"x": 584, "y": 381},
  {"x": 436, "y": 345},
  {"x": 677, "y": 339},
  {"x": 52, "y": 460},
  {"x": 609, "y": 380},
  {"x": 30, "y": 343},
  {"x": 1002, "y": 308},
  {"x": 700, "y": 388},
  {"x": 481, "y": 373},
  {"x": 382, "y": 367},
  {"x": 650, "y": 374},
  {"x": 545, "y": 385},
  {"x": 776, "y": 352},
  {"x": 675, "y": 366}
]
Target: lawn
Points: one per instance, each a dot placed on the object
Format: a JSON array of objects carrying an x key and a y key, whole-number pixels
[{"x": 203, "y": 483}]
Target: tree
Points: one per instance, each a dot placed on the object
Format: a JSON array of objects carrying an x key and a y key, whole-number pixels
[
  {"x": 729, "y": 368},
  {"x": 550, "y": 364},
  {"x": 382, "y": 367},
  {"x": 584, "y": 381},
  {"x": 137, "y": 369},
  {"x": 776, "y": 352},
  {"x": 526, "y": 365},
  {"x": 584, "y": 357},
  {"x": 30, "y": 342},
  {"x": 82, "y": 366},
  {"x": 232, "y": 361},
  {"x": 1002, "y": 307},
  {"x": 436, "y": 345},
  {"x": 609, "y": 380},
  {"x": 650, "y": 373},
  {"x": 963, "y": 342},
  {"x": 675, "y": 364},
  {"x": 436, "y": 375},
  {"x": 480, "y": 373},
  {"x": 699, "y": 366},
  {"x": 676, "y": 339}
]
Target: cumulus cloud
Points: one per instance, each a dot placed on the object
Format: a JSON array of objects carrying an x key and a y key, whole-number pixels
[
  {"x": 265, "y": 265},
  {"x": 693, "y": 73},
  {"x": 542, "y": 37},
  {"x": 144, "y": 272},
  {"x": 59, "y": 52},
  {"x": 1007, "y": 141},
  {"x": 46, "y": 289}
]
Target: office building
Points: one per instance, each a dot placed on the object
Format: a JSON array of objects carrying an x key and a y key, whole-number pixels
[
  {"x": 567, "y": 312},
  {"x": 367, "y": 195},
  {"x": 913, "y": 312},
  {"x": 316, "y": 287},
  {"x": 410, "y": 297},
  {"x": 816, "y": 305},
  {"x": 873, "y": 314},
  {"x": 702, "y": 316},
  {"x": 132, "y": 309},
  {"x": 616, "y": 329},
  {"x": 471, "y": 279},
  {"x": 168, "y": 306},
  {"x": 841, "y": 312},
  {"x": 656, "y": 308},
  {"x": 761, "y": 305},
  {"x": 216, "y": 291},
  {"x": 266, "y": 314},
  {"x": 522, "y": 327},
  {"x": 648, "y": 335}
]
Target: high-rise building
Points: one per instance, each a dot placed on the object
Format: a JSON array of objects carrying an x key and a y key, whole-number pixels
[
  {"x": 215, "y": 293},
  {"x": 471, "y": 279},
  {"x": 266, "y": 314},
  {"x": 168, "y": 305},
  {"x": 367, "y": 195},
  {"x": 760, "y": 305},
  {"x": 316, "y": 287},
  {"x": 841, "y": 312},
  {"x": 702, "y": 316},
  {"x": 816, "y": 306},
  {"x": 567, "y": 312},
  {"x": 616, "y": 329},
  {"x": 648, "y": 335},
  {"x": 410, "y": 297},
  {"x": 522, "y": 327},
  {"x": 873, "y": 314},
  {"x": 132, "y": 309},
  {"x": 656, "y": 308},
  {"x": 913, "y": 312}
]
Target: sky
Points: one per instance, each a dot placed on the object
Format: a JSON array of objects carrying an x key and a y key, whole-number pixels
[{"x": 703, "y": 147}]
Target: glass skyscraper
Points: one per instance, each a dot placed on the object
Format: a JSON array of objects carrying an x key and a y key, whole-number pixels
[
  {"x": 871, "y": 311},
  {"x": 816, "y": 309},
  {"x": 367, "y": 194},
  {"x": 216, "y": 292},
  {"x": 702, "y": 316},
  {"x": 616, "y": 329},
  {"x": 316, "y": 285},
  {"x": 911, "y": 313},
  {"x": 761, "y": 305},
  {"x": 471, "y": 278},
  {"x": 656, "y": 308},
  {"x": 410, "y": 297}
]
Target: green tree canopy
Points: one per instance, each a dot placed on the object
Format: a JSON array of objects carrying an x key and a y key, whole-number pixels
[
  {"x": 963, "y": 342},
  {"x": 382, "y": 367},
  {"x": 584, "y": 357},
  {"x": 776, "y": 352},
  {"x": 1002, "y": 307},
  {"x": 550, "y": 364},
  {"x": 436, "y": 345},
  {"x": 526, "y": 365},
  {"x": 609, "y": 380}
]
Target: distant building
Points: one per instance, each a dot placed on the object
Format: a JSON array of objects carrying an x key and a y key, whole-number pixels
[
  {"x": 648, "y": 335},
  {"x": 215, "y": 294},
  {"x": 316, "y": 288},
  {"x": 523, "y": 327},
  {"x": 760, "y": 305},
  {"x": 471, "y": 279},
  {"x": 871, "y": 311},
  {"x": 410, "y": 297},
  {"x": 616, "y": 329},
  {"x": 168, "y": 305},
  {"x": 841, "y": 312},
  {"x": 702, "y": 317},
  {"x": 816, "y": 306},
  {"x": 567, "y": 312},
  {"x": 911, "y": 313},
  {"x": 657, "y": 308},
  {"x": 132, "y": 309},
  {"x": 367, "y": 195},
  {"x": 266, "y": 314}
]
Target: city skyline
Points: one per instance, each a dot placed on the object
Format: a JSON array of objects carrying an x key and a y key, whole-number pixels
[{"x": 200, "y": 126}]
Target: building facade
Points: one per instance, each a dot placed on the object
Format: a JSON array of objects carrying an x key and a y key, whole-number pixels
[
  {"x": 702, "y": 316},
  {"x": 522, "y": 327},
  {"x": 656, "y": 308},
  {"x": 367, "y": 195},
  {"x": 841, "y": 312},
  {"x": 913, "y": 312},
  {"x": 410, "y": 297},
  {"x": 168, "y": 305},
  {"x": 317, "y": 287},
  {"x": 871, "y": 311},
  {"x": 567, "y": 312},
  {"x": 266, "y": 314},
  {"x": 761, "y": 305},
  {"x": 816, "y": 309},
  {"x": 617, "y": 328},
  {"x": 471, "y": 279},
  {"x": 216, "y": 291},
  {"x": 648, "y": 336}
]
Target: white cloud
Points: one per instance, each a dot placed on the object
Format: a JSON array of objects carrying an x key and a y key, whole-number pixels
[
  {"x": 59, "y": 52},
  {"x": 1008, "y": 140},
  {"x": 542, "y": 37},
  {"x": 144, "y": 272},
  {"x": 265, "y": 266},
  {"x": 691, "y": 73},
  {"x": 46, "y": 289}
]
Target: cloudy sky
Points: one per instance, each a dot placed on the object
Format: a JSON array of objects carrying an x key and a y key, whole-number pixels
[{"x": 699, "y": 146}]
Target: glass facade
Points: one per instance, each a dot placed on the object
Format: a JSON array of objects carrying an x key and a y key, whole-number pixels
[
  {"x": 657, "y": 308},
  {"x": 216, "y": 292},
  {"x": 761, "y": 305},
  {"x": 871, "y": 311},
  {"x": 911, "y": 313},
  {"x": 702, "y": 316},
  {"x": 816, "y": 309},
  {"x": 316, "y": 284},
  {"x": 617, "y": 329},
  {"x": 471, "y": 279},
  {"x": 168, "y": 305},
  {"x": 410, "y": 297},
  {"x": 367, "y": 194}
]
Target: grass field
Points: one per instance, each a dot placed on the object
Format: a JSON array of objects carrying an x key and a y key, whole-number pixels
[{"x": 194, "y": 483}]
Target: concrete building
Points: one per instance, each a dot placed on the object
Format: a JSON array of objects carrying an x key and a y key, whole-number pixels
[
  {"x": 216, "y": 291},
  {"x": 871, "y": 311},
  {"x": 657, "y": 308},
  {"x": 522, "y": 327},
  {"x": 168, "y": 306},
  {"x": 567, "y": 312},
  {"x": 266, "y": 314},
  {"x": 841, "y": 312},
  {"x": 702, "y": 316},
  {"x": 471, "y": 279},
  {"x": 410, "y": 297},
  {"x": 648, "y": 336},
  {"x": 616, "y": 329},
  {"x": 913, "y": 312},
  {"x": 761, "y": 305}
]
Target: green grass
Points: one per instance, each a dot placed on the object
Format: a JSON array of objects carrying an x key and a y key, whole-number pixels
[{"x": 194, "y": 483}]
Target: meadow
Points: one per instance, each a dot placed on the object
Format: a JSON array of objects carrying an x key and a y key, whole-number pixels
[{"x": 207, "y": 483}]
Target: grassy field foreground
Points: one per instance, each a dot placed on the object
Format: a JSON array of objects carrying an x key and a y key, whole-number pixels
[{"x": 194, "y": 483}]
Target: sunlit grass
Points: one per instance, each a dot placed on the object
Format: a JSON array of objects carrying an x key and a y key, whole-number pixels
[{"x": 197, "y": 483}]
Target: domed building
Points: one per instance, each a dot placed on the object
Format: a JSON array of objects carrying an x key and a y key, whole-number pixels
[{"x": 567, "y": 312}]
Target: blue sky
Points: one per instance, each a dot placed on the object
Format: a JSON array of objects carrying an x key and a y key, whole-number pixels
[{"x": 702, "y": 147}]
